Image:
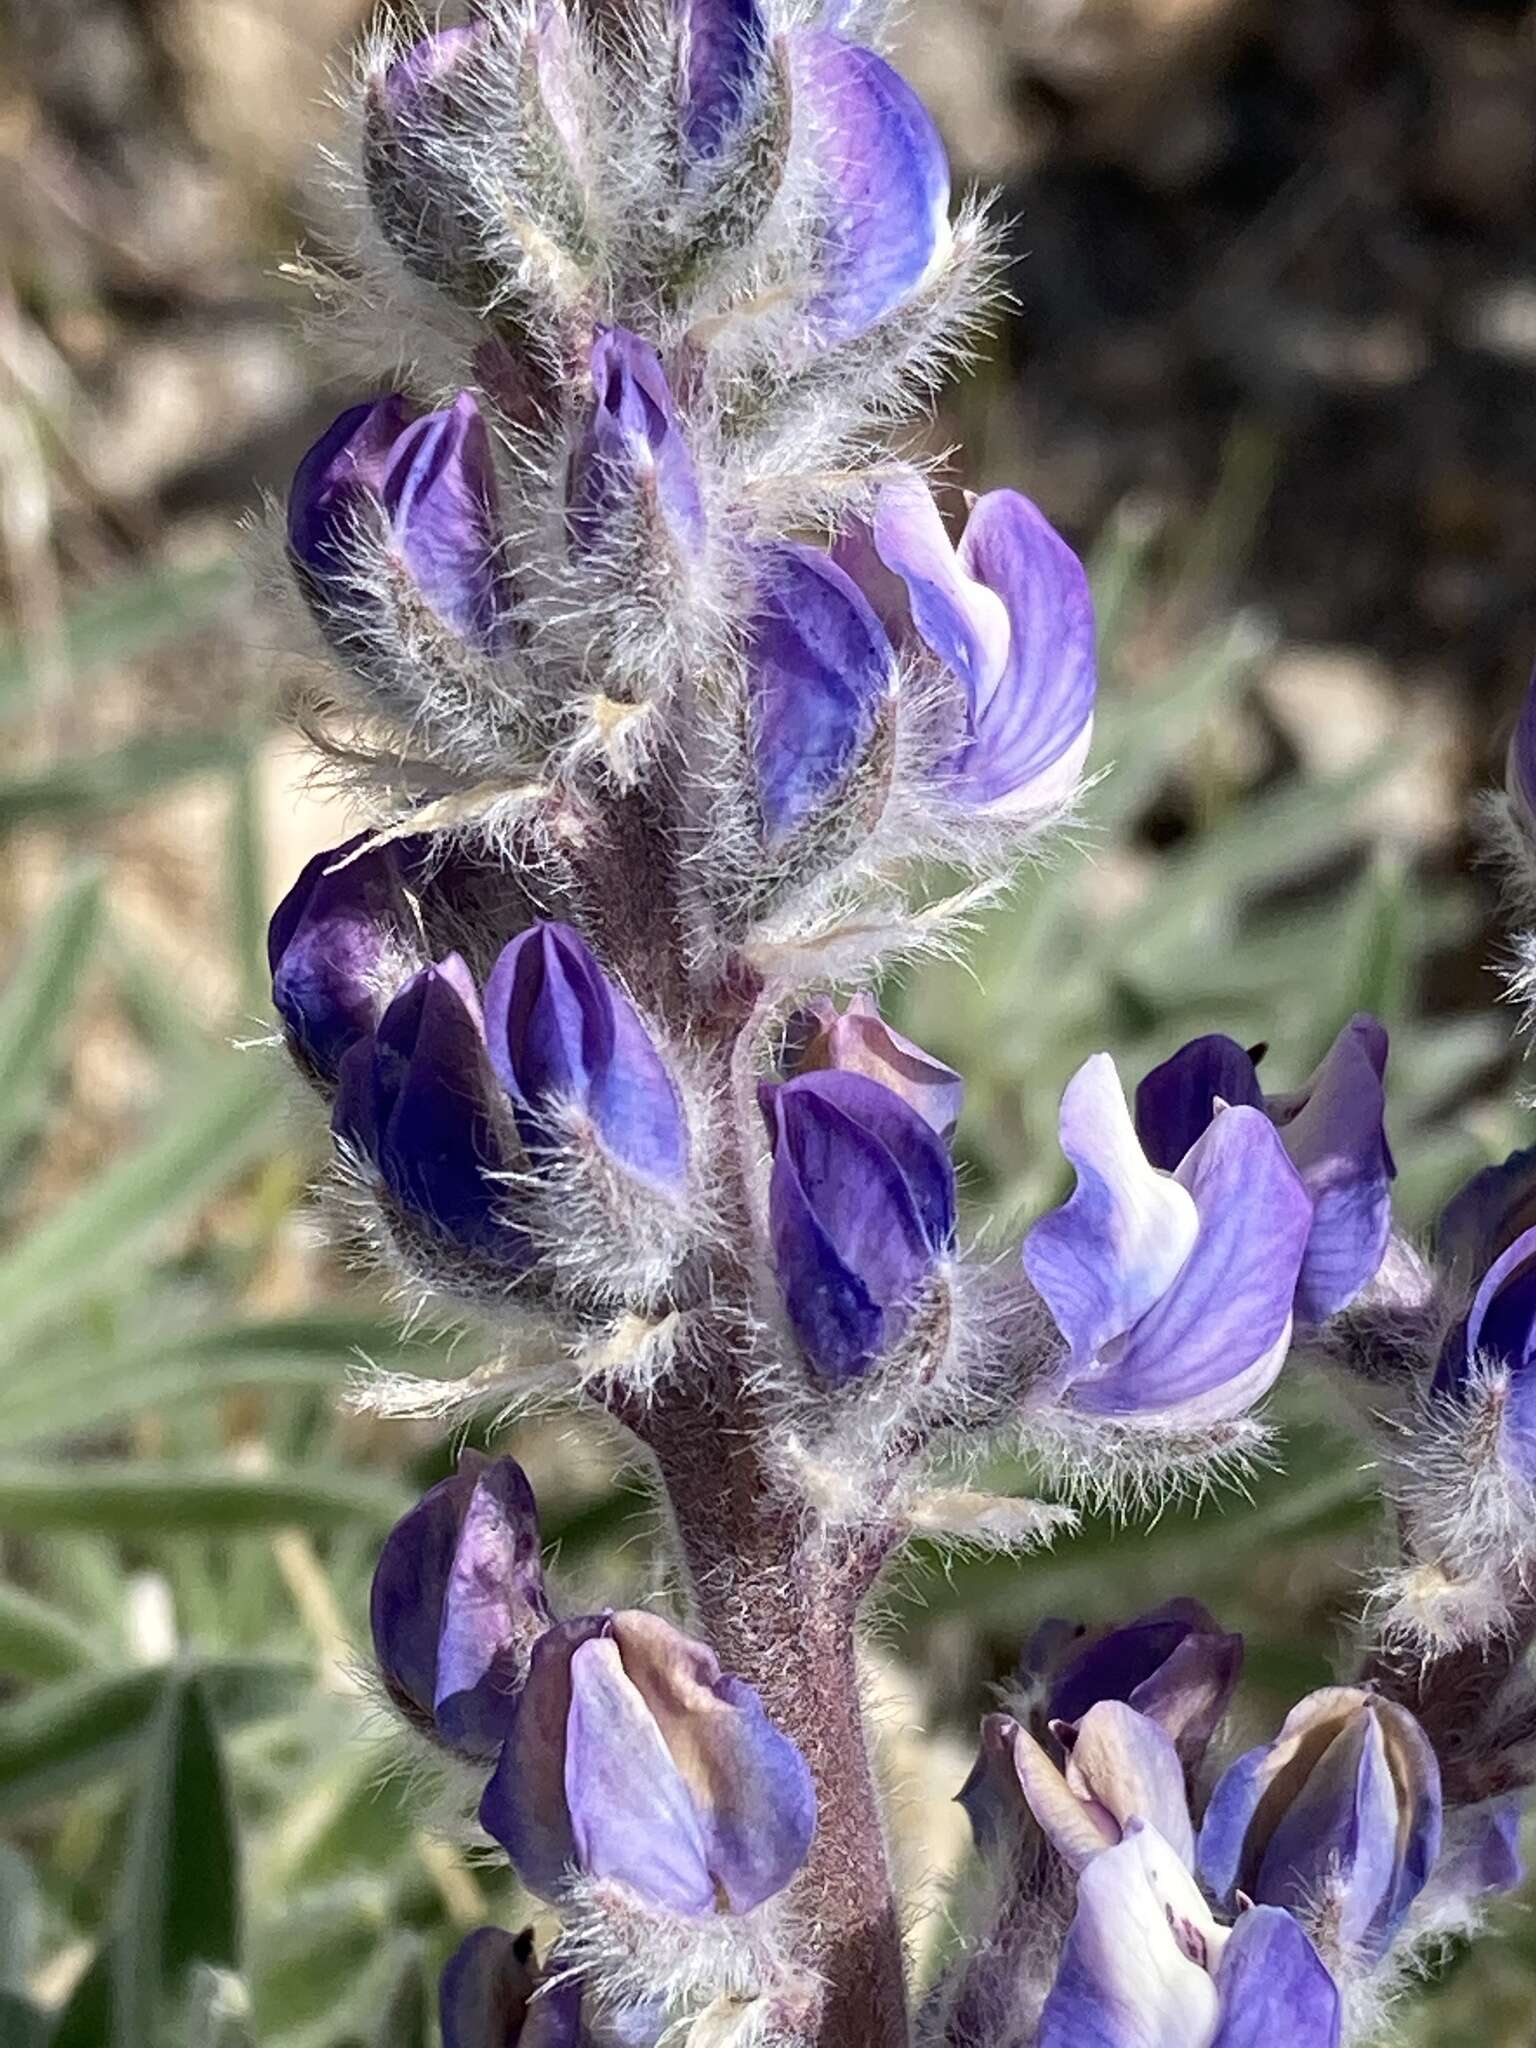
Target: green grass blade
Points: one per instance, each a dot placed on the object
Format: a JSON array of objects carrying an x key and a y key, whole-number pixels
[
  {"x": 65, "y": 1736},
  {"x": 143, "y": 1499},
  {"x": 179, "y": 1900},
  {"x": 36, "y": 1001},
  {"x": 37, "y": 1641},
  {"x": 218, "y": 1125}
]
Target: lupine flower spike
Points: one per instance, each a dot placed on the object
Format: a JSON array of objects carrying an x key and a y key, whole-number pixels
[{"x": 663, "y": 688}]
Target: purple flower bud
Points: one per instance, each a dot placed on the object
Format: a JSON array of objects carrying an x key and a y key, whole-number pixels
[
  {"x": 1338, "y": 1818},
  {"x": 633, "y": 1760},
  {"x": 1145, "y": 1963},
  {"x": 859, "y": 1041},
  {"x": 861, "y": 1211},
  {"x": 1482, "y": 1220},
  {"x": 723, "y": 47},
  {"x": 338, "y": 945},
  {"x": 633, "y": 461},
  {"x": 1333, "y": 1132},
  {"x": 574, "y": 1057},
  {"x": 427, "y": 488},
  {"x": 1174, "y": 1666},
  {"x": 1120, "y": 1767},
  {"x": 419, "y": 1102},
  {"x": 884, "y": 179},
  {"x": 819, "y": 669},
  {"x": 1009, "y": 614},
  {"x": 1520, "y": 764},
  {"x": 1173, "y": 1292},
  {"x": 484, "y": 1991},
  {"x": 427, "y": 69},
  {"x": 458, "y": 1604},
  {"x": 1497, "y": 1339}
]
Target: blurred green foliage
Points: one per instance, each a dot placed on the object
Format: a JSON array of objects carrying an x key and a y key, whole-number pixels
[{"x": 206, "y": 1847}]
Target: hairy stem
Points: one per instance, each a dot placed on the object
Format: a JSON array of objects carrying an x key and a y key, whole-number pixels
[{"x": 777, "y": 1598}]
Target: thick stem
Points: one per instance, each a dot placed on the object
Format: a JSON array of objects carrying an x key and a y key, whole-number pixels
[{"x": 777, "y": 1601}]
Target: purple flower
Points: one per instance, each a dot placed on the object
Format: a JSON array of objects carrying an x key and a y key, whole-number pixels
[
  {"x": 884, "y": 183},
  {"x": 723, "y": 47},
  {"x": 859, "y": 1041},
  {"x": 419, "y": 1103},
  {"x": 1174, "y": 1665},
  {"x": 1333, "y": 1131},
  {"x": 1173, "y": 1291},
  {"x": 1010, "y": 616},
  {"x": 427, "y": 68},
  {"x": 574, "y": 1057},
  {"x": 1494, "y": 1346},
  {"x": 1337, "y": 1818},
  {"x": 1146, "y": 1966},
  {"x": 861, "y": 1211},
  {"x": 427, "y": 488},
  {"x": 633, "y": 459},
  {"x": 338, "y": 944},
  {"x": 1120, "y": 1767},
  {"x": 633, "y": 1760},
  {"x": 458, "y": 1603},
  {"x": 819, "y": 668},
  {"x": 1486, "y": 1242},
  {"x": 485, "y": 1989}
]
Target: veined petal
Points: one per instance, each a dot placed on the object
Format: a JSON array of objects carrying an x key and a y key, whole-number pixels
[
  {"x": 819, "y": 666},
  {"x": 1177, "y": 1101},
  {"x": 751, "y": 1788},
  {"x": 494, "y": 1609},
  {"x": 524, "y": 1805},
  {"x": 960, "y": 619},
  {"x": 1030, "y": 732},
  {"x": 1073, "y": 1822},
  {"x": 1337, "y": 1143},
  {"x": 1128, "y": 1765},
  {"x": 885, "y": 180},
  {"x": 1114, "y": 1249},
  {"x": 1136, "y": 1971},
  {"x": 1274, "y": 1987},
  {"x": 1215, "y": 1341},
  {"x": 1339, "y": 1832},
  {"x": 632, "y": 1818}
]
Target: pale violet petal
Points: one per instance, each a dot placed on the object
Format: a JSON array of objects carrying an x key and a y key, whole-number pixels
[
  {"x": 1137, "y": 1968},
  {"x": 1114, "y": 1249}
]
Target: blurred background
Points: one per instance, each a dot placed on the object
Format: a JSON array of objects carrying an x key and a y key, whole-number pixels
[{"x": 1271, "y": 364}]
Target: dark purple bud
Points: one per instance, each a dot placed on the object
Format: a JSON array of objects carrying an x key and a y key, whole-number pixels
[
  {"x": 338, "y": 945},
  {"x": 573, "y": 1055},
  {"x": 426, "y": 488},
  {"x": 1483, "y": 1219},
  {"x": 861, "y": 1211},
  {"x": 1338, "y": 1817},
  {"x": 418, "y": 1101},
  {"x": 425, "y": 72},
  {"x": 633, "y": 460},
  {"x": 1175, "y": 1666},
  {"x": 458, "y": 1604},
  {"x": 634, "y": 1760},
  {"x": 485, "y": 1989},
  {"x": 819, "y": 668},
  {"x": 859, "y": 1041},
  {"x": 1334, "y": 1134},
  {"x": 724, "y": 42},
  {"x": 1178, "y": 1100},
  {"x": 1497, "y": 1339},
  {"x": 884, "y": 177}
]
